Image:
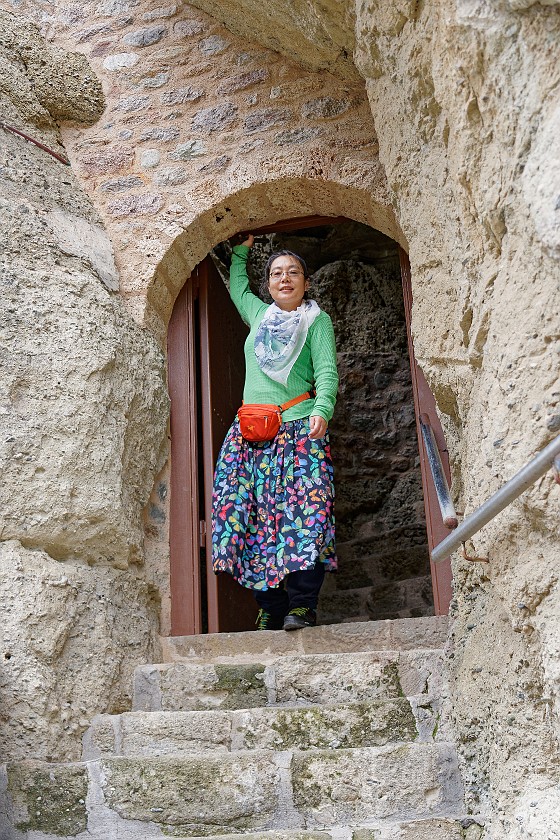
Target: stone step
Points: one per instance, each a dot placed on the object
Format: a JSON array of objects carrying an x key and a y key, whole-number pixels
[
  {"x": 142, "y": 734},
  {"x": 101, "y": 799},
  {"x": 268, "y": 645},
  {"x": 257, "y": 790},
  {"x": 307, "y": 679},
  {"x": 434, "y": 829}
]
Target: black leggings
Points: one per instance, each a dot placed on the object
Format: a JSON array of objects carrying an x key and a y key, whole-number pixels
[{"x": 298, "y": 589}]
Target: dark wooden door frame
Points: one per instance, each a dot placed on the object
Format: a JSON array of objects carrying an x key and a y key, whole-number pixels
[
  {"x": 424, "y": 403},
  {"x": 185, "y": 516}
]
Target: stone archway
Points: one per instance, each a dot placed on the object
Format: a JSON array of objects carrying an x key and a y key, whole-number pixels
[{"x": 263, "y": 203}]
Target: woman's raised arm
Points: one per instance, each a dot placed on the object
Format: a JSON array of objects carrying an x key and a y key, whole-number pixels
[{"x": 247, "y": 304}]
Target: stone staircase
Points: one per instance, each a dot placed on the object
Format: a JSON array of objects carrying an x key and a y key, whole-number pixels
[
  {"x": 337, "y": 732},
  {"x": 340, "y": 731}
]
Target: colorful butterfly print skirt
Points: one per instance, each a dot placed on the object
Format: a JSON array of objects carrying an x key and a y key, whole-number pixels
[{"x": 272, "y": 506}]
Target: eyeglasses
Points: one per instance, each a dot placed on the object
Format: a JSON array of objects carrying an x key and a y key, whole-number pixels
[{"x": 278, "y": 273}]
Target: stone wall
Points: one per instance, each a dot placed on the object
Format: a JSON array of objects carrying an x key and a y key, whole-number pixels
[{"x": 194, "y": 117}]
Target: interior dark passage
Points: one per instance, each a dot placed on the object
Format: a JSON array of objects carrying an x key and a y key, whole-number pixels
[{"x": 384, "y": 569}]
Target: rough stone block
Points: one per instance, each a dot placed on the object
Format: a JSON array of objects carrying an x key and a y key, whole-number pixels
[
  {"x": 70, "y": 637},
  {"x": 243, "y": 81},
  {"x": 421, "y": 672},
  {"x": 325, "y": 727},
  {"x": 81, "y": 238},
  {"x": 325, "y": 107},
  {"x": 413, "y": 633},
  {"x": 295, "y": 136},
  {"x": 337, "y": 787},
  {"x": 146, "y": 204},
  {"x": 145, "y": 37},
  {"x": 120, "y": 61},
  {"x": 265, "y": 118},
  {"x": 276, "y": 835},
  {"x": 217, "y": 118},
  {"x": 49, "y": 798},
  {"x": 182, "y": 687},
  {"x": 188, "y": 28},
  {"x": 348, "y": 638},
  {"x": 402, "y": 634},
  {"x": 181, "y": 95},
  {"x": 157, "y": 734},
  {"x": 213, "y": 45},
  {"x": 189, "y": 150},
  {"x": 64, "y": 467},
  {"x": 431, "y": 830},
  {"x": 336, "y": 678},
  {"x": 264, "y": 646},
  {"x": 195, "y": 796}
]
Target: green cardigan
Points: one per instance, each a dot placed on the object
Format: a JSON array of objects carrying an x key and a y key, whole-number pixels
[{"x": 314, "y": 367}]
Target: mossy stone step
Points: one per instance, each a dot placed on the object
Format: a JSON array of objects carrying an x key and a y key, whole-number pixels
[
  {"x": 50, "y": 799},
  {"x": 364, "y": 724},
  {"x": 268, "y": 645},
  {"x": 257, "y": 790},
  {"x": 309, "y": 679},
  {"x": 271, "y": 835},
  {"x": 326, "y": 678}
]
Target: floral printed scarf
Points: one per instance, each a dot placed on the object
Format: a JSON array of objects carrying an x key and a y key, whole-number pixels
[{"x": 281, "y": 336}]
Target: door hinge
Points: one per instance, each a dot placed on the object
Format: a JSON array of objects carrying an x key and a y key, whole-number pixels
[{"x": 202, "y": 532}]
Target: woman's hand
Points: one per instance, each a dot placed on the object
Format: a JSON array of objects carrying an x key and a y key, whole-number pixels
[
  {"x": 318, "y": 426},
  {"x": 249, "y": 241}
]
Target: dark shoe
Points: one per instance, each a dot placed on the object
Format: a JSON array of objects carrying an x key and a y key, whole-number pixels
[
  {"x": 300, "y": 617},
  {"x": 267, "y": 621}
]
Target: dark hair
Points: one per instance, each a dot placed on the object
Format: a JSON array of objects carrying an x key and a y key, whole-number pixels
[{"x": 263, "y": 288}]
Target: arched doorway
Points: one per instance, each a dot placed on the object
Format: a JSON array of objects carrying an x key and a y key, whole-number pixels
[{"x": 205, "y": 373}]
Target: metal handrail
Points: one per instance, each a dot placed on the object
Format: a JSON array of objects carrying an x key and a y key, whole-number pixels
[
  {"x": 438, "y": 475},
  {"x": 513, "y": 488}
]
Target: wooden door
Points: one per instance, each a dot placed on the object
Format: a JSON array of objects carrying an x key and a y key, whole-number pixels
[
  {"x": 222, "y": 364},
  {"x": 184, "y": 511},
  {"x": 206, "y": 369},
  {"x": 424, "y": 403}
]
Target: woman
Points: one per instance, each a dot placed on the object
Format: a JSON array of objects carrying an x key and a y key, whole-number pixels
[{"x": 272, "y": 511}]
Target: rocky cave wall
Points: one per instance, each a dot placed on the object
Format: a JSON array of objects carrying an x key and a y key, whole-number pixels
[
  {"x": 465, "y": 130},
  {"x": 83, "y": 417}
]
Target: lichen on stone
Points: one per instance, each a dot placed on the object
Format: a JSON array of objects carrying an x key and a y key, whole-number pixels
[
  {"x": 243, "y": 685},
  {"x": 49, "y": 798}
]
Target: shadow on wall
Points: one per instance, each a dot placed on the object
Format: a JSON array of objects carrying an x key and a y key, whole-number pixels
[{"x": 381, "y": 532}]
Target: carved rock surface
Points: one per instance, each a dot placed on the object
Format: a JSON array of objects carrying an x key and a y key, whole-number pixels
[
  {"x": 42, "y": 82},
  {"x": 84, "y": 404},
  {"x": 69, "y": 641}
]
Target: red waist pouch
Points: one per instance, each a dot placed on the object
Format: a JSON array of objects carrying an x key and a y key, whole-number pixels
[{"x": 261, "y": 422}]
